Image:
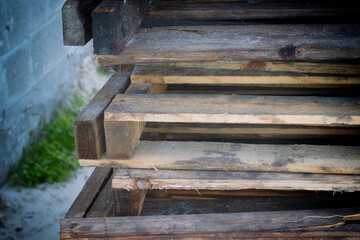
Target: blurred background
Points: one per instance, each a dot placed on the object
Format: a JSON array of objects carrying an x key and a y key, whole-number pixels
[{"x": 43, "y": 86}]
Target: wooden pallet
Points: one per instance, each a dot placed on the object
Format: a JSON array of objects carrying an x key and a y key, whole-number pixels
[
  {"x": 303, "y": 214},
  {"x": 229, "y": 103}
]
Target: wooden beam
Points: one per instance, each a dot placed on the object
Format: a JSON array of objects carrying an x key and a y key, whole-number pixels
[
  {"x": 238, "y": 157},
  {"x": 122, "y": 137},
  {"x": 272, "y": 224},
  {"x": 129, "y": 203},
  {"x": 252, "y": 73},
  {"x": 313, "y": 111},
  {"x": 144, "y": 179},
  {"x": 239, "y": 43},
  {"x": 114, "y": 22},
  {"x": 89, "y": 127},
  {"x": 103, "y": 205},
  {"x": 243, "y": 10},
  {"x": 89, "y": 193},
  {"x": 76, "y": 20}
]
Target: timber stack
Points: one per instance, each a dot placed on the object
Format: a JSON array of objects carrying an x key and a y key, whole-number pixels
[{"x": 223, "y": 119}]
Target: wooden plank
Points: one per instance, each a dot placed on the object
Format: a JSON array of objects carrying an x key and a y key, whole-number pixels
[
  {"x": 249, "y": 73},
  {"x": 88, "y": 126},
  {"x": 129, "y": 203},
  {"x": 89, "y": 193},
  {"x": 243, "y": 10},
  {"x": 273, "y": 224},
  {"x": 76, "y": 20},
  {"x": 263, "y": 134},
  {"x": 313, "y": 111},
  {"x": 144, "y": 179},
  {"x": 114, "y": 22},
  {"x": 238, "y": 157},
  {"x": 193, "y": 203},
  {"x": 239, "y": 43},
  {"x": 333, "y": 90},
  {"x": 122, "y": 137},
  {"x": 238, "y": 129},
  {"x": 103, "y": 206}
]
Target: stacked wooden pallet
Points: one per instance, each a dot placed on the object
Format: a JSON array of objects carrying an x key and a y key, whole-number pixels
[{"x": 227, "y": 98}]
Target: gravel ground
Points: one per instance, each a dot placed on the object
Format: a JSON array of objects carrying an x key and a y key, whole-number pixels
[{"x": 34, "y": 213}]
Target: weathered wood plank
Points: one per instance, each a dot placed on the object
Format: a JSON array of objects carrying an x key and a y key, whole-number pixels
[
  {"x": 76, "y": 20},
  {"x": 333, "y": 90},
  {"x": 243, "y": 10},
  {"x": 122, "y": 137},
  {"x": 251, "y": 73},
  {"x": 238, "y": 157},
  {"x": 129, "y": 203},
  {"x": 144, "y": 179},
  {"x": 89, "y": 126},
  {"x": 103, "y": 205},
  {"x": 239, "y": 43},
  {"x": 114, "y": 22},
  {"x": 89, "y": 193},
  {"x": 275, "y": 224},
  {"x": 263, "y": 134},
  {"x": 173, "y": 202},
  {"x": 314, "y": 111}
]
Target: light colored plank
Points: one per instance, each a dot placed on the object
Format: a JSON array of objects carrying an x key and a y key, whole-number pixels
[
  {"x": 239, "y": 43},
  {"x": 249, "y": 73},
  {"x": 272, "y": 224},
  {"x": 144, "y": 179},
  {"x": 314, "y": 111},
  {"x": 238, "y": 157}
]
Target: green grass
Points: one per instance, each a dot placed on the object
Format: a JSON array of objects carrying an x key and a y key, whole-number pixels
[{"x": 50, "y": 158}]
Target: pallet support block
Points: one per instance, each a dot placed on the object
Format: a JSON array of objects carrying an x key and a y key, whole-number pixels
[
  {"x": 122, "y": 137},
  {"x": 89, "y": 124},
  {"x": 128, "y": 203}
]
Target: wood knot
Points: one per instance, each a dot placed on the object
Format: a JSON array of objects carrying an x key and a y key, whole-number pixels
[
  {"x": 143, "y": 184},
  {"x": 287, "y": 51},
  {"x": 254, "y": 66}
]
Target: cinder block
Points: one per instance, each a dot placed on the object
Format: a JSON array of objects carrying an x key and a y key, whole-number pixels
[
  {"x": 3, "y": 29},
  {"x": 47, "y": 48},
  {"x": 23, "y": 18},
  {"x": 3, "y": 91},
  {"x": 54, "y": 6},
  {"x": 18, "y": 73}
]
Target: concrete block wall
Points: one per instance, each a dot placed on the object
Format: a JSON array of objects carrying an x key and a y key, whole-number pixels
[{"x": 37, "y": 72}]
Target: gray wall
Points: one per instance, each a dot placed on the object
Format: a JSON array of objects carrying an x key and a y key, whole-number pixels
[{"x": 36, "y": 72}]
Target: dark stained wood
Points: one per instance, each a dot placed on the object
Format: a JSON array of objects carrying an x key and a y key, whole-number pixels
[
  {"x": 273, "y": 224},
  {"x": 128, "y": 203},
  {"x": 243, "y": 10},
  {"x": 89, "y": 193},
  {"x": 89, "y": 126},
  {"x": 239, "y": 43},
  {"x": 76, "y": 18},
  {"x": 173, "y": 202},
  {"x": 103, "y": 205},
  {"x": 122, "y": 137},
  {"x": 114, "y": 22}
]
